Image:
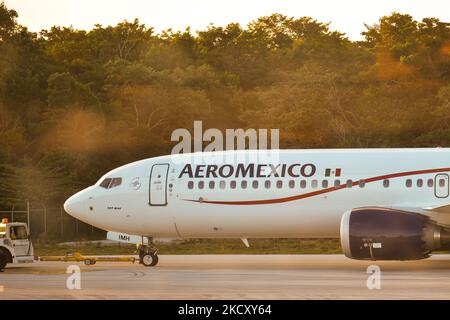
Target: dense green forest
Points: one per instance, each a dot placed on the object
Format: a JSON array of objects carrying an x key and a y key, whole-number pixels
[{"x": 75, "y": 103}]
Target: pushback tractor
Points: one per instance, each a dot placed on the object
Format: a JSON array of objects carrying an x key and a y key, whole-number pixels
[{"x": 15, "y": 243}]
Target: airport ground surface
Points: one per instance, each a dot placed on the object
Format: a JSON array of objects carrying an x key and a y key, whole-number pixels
[{"x": 232, "y": 277}]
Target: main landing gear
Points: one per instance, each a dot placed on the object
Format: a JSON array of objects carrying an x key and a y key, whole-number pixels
[{"x": 148, "y": 253}]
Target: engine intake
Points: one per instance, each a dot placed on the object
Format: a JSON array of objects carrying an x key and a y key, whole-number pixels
[{"x": 388, "y": 234}]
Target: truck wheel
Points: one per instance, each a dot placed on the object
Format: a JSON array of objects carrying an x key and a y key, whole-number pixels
[
  {"x": 3, "y": 260},
  {"x": 150, "y": 260},
  {"x": 87, "y": 262}
]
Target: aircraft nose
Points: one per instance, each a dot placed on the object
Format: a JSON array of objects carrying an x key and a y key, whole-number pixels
[{"x": 75, "y": 206}]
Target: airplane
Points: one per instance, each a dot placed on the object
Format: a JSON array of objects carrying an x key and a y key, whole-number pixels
[{"x": 383, "y": 204}]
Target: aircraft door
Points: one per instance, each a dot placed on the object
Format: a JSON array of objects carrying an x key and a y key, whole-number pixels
[
  {"x": 158, "y": 185},
  {"x": 441, "y": 185}
]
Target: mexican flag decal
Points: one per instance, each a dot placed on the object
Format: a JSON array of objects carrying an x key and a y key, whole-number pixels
[{"x": 333, "y": 172}]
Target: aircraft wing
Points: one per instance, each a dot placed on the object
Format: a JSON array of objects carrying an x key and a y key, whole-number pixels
[
  {"x": 439, "y": 214},
  {"x": 441, "y": 209}
]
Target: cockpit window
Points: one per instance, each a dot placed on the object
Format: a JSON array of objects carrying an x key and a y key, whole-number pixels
[
  {"x": 115, "y": 182},
  {"x": 105, "y": 183},
  {"x": 109, "y": 183}
]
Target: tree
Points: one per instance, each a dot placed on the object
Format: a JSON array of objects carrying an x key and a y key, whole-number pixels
[{"x": 8, "y": 22}]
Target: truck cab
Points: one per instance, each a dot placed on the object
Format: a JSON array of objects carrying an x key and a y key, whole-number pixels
[{"x": 15, "y": 243}]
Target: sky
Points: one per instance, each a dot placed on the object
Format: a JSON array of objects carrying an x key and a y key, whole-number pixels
[{"x": 347, "y": 16}]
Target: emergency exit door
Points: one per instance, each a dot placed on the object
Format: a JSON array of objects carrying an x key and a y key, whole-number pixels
[
  {"x": 158, "y": 184},
  {"x": 441, "y": 183}
]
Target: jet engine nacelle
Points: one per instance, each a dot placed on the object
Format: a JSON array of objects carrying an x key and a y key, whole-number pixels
[{"x": 389, "y": 234}]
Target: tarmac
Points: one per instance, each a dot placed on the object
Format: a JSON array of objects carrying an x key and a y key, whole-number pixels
[{"x": 232, "y": 277}]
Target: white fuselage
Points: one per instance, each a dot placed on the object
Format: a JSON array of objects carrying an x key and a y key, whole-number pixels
[{"x": 164, "y": 197}]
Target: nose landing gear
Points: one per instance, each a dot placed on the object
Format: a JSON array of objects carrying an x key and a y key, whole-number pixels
[
  {"x": 148, "y": 254},
  {"x": 149, "y": 259}
]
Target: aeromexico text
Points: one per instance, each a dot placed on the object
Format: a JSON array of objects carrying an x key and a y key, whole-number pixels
[{"x": 250, "y": 170}]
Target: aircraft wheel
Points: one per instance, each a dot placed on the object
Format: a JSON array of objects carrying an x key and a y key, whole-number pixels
[
  {"x": 88, "y": 262},
  {"x": 150, "y": 260}
]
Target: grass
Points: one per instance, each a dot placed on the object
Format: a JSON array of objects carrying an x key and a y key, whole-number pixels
[{"x": 206, "y": 246}]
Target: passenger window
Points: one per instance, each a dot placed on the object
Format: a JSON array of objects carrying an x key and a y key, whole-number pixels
[
  {"x": 441, "y": 182},
  {"x": 324, "y": 183},
  {"x": 362, "y": 183},
  {"x": 115, "y": 182},
  {"x": 303, "y": 184},
  {"x": 430, "y": 183},
  {"x": 201, "y": 184},
  {"x": 419, "y": 183},
  {"x": 222, "y": 184},
  {"x": 212, "y": 184},
  {"x": 190, "y": 184},
  {"x": 233, "y": 184},
  {"x": 105, "y": 183},
  {"x": 291, "y": 184},
  {"x": 244, "y": 184},
  {"x": 337, "y": 183},
  {"x": 314, "y": 184},
  {"x": 386, "y": 183},
  {"x": 279, "y": 184},
  {"x": 255, "y": 184},
  {"x": 408, "y": 183},
  {"x": 267, "y": 184},
  {"x": 349, "y": 183}
]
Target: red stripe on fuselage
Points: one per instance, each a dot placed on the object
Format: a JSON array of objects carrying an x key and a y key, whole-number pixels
[{"x": 322, "y": 191}]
